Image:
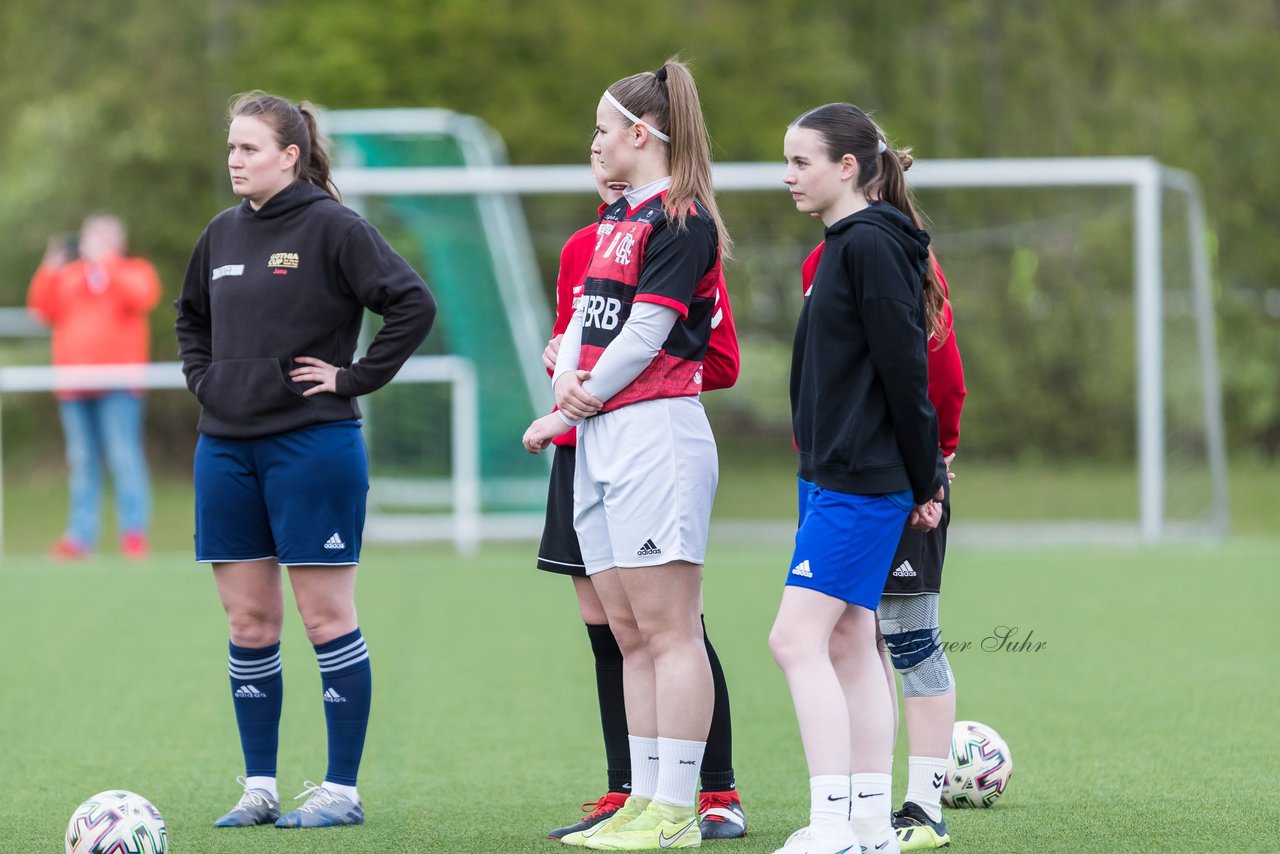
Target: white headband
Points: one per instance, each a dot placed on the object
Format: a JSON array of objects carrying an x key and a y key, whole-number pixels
[
  {"x": 880, "y": 146},
  {"x": 634, "y": 118}
]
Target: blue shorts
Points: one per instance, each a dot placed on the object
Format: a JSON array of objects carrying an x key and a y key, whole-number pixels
[
  {"x": 298, "y": 497},
  {"x": 846, "y": 542}
]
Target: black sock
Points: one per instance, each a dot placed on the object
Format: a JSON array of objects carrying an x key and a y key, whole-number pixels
[
  {"x": 613, "y": 708},
  {"x": 717, "y": 762}
]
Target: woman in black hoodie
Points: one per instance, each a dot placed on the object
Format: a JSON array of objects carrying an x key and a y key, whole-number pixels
[
  {"x": 867, "y": 438},
  {"x": 267, "y": 326}
]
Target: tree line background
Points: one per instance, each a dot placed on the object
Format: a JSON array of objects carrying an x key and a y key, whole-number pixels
[{"x": 121, "y": 107}]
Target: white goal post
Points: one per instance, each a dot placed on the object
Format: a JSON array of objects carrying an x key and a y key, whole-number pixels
[
  {"x": 1146, "y": 177},
  {"x": 463, "y": 524}
]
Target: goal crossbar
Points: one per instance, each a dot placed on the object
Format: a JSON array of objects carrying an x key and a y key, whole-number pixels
[{"x": 1147, "y": 178}]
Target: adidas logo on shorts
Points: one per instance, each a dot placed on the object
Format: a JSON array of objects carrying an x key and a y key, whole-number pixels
[
  {"x": 649, "y": 549},
  {"x": 802, "y": 569},
  {"x": 904, "y": 570},
  {"x": 335, "y": 542},
  {"x": 247, "y": 692}
]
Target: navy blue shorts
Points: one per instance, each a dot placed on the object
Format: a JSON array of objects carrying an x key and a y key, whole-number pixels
[
  {"x": 298, "y": 497},
  {"x": 846, "y": 542}
]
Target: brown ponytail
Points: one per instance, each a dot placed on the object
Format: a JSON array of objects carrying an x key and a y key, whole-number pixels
[
  {"x": 670, "y": 97},
  {"x": 893, "y": 189},
  {"x": 293, "y": 125},
  {"x": 316, "y": 168},
  {"x": 845, "y": 129}
]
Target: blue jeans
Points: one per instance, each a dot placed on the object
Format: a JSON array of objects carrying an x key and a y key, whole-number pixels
[{"x": 105, "y": 428}]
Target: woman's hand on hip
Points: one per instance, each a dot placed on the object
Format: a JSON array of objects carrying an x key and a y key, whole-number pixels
[{"x": 318, "y": 371}]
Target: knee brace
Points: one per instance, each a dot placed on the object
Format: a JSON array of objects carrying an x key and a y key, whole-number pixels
[{"x": 909, "y": 625}]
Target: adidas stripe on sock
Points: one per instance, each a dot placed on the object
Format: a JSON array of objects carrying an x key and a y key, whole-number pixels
[
  {"x": 347, "y": 689},
  {"x": 257, "y": 687}
]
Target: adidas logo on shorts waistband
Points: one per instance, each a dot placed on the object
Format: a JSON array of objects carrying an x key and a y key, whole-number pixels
[
  {"x": 649, "y": 549},
  {"x": 904, "y": 570},
  {"x": 802, "y": 569}
]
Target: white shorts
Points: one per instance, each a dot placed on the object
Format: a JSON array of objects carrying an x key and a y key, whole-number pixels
[{"x": 644, "y": 483}]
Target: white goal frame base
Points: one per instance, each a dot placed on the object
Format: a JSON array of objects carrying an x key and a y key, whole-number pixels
[{"x": 462, "y": 524}]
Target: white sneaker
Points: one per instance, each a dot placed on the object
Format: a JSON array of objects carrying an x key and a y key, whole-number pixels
[
  {"x": 822, "y": 839},
  {"x": 885, "y": 842}
]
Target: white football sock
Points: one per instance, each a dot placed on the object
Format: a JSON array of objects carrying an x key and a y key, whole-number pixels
[
  {"x": 871, "y": 807},
  {"x": 924, "y": 784},
  {"x": 678, "y": 767},
  {"x": 266, "y": 784},
  {"x": 828, "y": 799},
  {"x": 348, "y": 792},
  {"x": 644, "y": 767}
]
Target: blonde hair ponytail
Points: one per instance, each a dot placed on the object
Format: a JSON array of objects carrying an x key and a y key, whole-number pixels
[{"x": 670, "y": 97}]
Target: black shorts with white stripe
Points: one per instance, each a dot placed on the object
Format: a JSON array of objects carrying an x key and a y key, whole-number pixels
[
  {"x": 559, "y": 551},
  {"x": 917, "y": 564}
]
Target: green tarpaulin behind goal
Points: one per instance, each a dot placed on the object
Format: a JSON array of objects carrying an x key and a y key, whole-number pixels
[{"x": 475, "y": 255}]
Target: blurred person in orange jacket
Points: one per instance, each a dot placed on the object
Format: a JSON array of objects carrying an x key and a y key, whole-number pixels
[{"x": 96, "y": 306}]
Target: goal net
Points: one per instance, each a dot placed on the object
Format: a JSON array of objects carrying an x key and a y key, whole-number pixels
[{"x": 1080, "y": 288}]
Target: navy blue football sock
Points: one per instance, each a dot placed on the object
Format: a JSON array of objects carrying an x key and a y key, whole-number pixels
[
  {"x": 348, "y": 688},
  {"x": 257, "y": 687}
]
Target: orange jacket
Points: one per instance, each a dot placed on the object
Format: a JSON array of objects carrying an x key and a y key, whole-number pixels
[{"x": 97, "y": 311}]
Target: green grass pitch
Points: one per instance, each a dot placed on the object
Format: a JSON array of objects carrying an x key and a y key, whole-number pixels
[{"x": 1146, "y": 722}]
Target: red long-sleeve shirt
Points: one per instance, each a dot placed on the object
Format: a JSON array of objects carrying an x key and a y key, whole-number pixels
[
  {"x": 721, "y": 363},
  {"x": 946, "y": 374}
]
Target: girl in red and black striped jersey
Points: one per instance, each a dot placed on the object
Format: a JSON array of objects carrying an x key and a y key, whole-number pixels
[
  {"x": 629, "y": 370},
  {"x": 719, "y": 806},
  {"x": 908, "y": 610},
  {"x": 867, "y": 441}
]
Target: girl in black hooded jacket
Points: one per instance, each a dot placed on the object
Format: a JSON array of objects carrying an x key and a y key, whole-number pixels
[
  {"x": 267, "y": 327},
  {"x": 867, "y": 439}
]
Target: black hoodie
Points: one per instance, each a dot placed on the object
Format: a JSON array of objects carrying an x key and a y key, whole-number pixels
[
  {"x": 292, "y": 279},
  {"x": 860, "y": 406}
]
